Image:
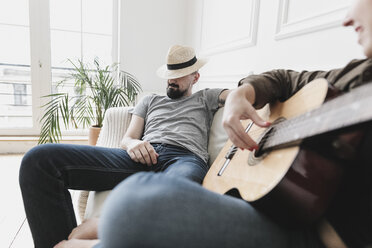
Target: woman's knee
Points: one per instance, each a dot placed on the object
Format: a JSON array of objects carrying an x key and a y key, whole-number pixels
[
  {"x": 131, "y": 205},
  {"x": 138, "y": 189}
]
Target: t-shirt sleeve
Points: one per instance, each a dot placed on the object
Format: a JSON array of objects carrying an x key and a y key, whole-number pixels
[
  {"x": 212, "y": 97},
  {"x": 142, "y": 107}
]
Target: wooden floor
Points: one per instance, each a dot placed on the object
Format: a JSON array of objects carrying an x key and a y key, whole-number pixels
[
  {"x": 13, "y": 226},
  {"x": 14, "y": 230}
]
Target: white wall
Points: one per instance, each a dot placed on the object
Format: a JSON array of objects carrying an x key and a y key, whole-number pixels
[
  {"x": 148, "y": 29},
  {"x": 238, "y": 36},
  {"x": 251, "y": 36}
]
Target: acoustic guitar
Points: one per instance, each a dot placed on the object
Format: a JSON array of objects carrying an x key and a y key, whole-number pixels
[{"x": 301, "y": 157}]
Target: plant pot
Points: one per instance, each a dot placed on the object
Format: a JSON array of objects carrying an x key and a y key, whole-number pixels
[{"x": 93, "y": 135}]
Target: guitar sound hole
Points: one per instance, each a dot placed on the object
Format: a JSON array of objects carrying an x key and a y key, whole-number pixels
[
  {"x": 253, "y": 160},
  {"x": 256, "y": 156}
]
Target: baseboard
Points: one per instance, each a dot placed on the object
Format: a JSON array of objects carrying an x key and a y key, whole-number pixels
[{"x": 18, "y": 144}]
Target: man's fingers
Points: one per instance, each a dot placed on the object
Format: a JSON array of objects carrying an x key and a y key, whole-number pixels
[
  {"x": 139, "y": 157},
  {"x": 143, "y": 153},
  {"x": 132, "y": 156},
  {"x": 146, "y": 155},
  {"x": 153, "y": 155}
]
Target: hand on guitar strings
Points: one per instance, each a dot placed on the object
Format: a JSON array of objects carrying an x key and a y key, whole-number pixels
[{"x": 238, "y": 107}]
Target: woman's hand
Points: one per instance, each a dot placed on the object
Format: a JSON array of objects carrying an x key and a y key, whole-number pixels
[{"x": 238, "y": 107}]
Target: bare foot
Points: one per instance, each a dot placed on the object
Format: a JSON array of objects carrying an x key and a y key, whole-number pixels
[
  {"x": 77, "y": 243},
  {"x": 86, "y": 230}
]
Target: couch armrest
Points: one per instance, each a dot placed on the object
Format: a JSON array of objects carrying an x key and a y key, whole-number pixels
[
  {"x": 115, "y": 124},
  {"x": 217, "y": 136}
]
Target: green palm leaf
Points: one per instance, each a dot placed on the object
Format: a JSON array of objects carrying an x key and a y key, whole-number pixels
[{"x": 98, "y": 88}]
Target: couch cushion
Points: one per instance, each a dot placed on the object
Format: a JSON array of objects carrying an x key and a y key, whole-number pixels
[{"x": 217, "y": 136}]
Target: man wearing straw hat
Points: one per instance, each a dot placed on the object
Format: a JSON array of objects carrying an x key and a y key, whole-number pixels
[
  {"x": 179, "y": 119},
  {"x": 167, "y": 134}
]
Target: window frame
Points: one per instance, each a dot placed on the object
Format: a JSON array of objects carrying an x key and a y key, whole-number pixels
[{"x": 40, "y": 59}]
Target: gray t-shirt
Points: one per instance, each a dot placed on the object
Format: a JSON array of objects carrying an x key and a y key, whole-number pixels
[{"x": 183, "y": 122}]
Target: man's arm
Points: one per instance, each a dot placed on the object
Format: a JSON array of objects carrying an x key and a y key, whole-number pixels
[{"x": 139, "y": 150}]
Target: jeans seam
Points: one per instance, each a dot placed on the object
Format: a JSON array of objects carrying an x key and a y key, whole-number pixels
[
  {"x": 66, "y": 168},
  {"x": 65, "y": 201}
]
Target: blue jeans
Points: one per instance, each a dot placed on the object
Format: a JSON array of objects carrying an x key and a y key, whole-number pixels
[
  {"x": 48, "y": 171},
  {"x": 152, "y": 210}
]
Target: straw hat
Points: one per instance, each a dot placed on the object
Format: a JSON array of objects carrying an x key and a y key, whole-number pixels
[{"x": 181, "y": 61}]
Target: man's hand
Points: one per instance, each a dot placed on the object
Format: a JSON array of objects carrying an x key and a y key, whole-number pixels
[
  {"x": 139, "y": 151},
  {"x": 142, "y": 152},
  {"x": 239, "y": 107}
]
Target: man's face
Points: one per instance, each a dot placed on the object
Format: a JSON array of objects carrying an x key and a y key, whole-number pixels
[
  {"x": 360, "y": 17},
  {"x": 182, "y": 86}
]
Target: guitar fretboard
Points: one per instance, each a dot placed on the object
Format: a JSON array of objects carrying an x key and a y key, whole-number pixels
[{"x": 346, "y": 110}]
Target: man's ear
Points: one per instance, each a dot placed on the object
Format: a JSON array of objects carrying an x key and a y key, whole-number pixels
[{"x": 196, "y": 77}]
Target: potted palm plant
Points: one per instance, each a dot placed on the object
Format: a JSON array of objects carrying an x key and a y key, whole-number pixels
[{"x": 96, "y": 90}]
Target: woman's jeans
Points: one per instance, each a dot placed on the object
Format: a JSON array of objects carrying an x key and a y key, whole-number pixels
[
  {"x": 48, "y": 171},
  {"x": 153, "y": 210}
]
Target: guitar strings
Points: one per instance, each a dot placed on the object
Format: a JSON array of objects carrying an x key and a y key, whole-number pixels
[
  {"x": 258, "y": 132},
  {"x": 305, "y": 122}
]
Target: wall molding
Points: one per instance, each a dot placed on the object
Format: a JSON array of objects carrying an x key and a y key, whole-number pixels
[
  {"x": 286, "y": 29},
  {"x": 248, "y": 39}
]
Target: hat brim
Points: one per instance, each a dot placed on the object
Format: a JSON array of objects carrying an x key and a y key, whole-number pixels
[{"x": 163, "y": 71}]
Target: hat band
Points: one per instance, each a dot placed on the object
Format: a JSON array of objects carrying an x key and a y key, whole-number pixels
[{"x": 182, "y": 65}]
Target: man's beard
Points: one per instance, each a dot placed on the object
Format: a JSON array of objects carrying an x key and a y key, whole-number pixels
[{"x": 174, "y": 92}]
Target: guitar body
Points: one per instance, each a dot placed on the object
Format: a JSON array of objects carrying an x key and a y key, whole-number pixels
[{"x": 293, "y": 184}]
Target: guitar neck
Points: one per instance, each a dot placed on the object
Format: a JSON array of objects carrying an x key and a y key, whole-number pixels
[{"x": 344, "y": 111}]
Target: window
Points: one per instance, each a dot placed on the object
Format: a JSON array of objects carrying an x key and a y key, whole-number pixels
[
  {"x": 86, "y": 34},
  {"x": 15, "y": 79},
  {"x": 78, "y": 29},
  {"x": 20, "y": 93}
]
